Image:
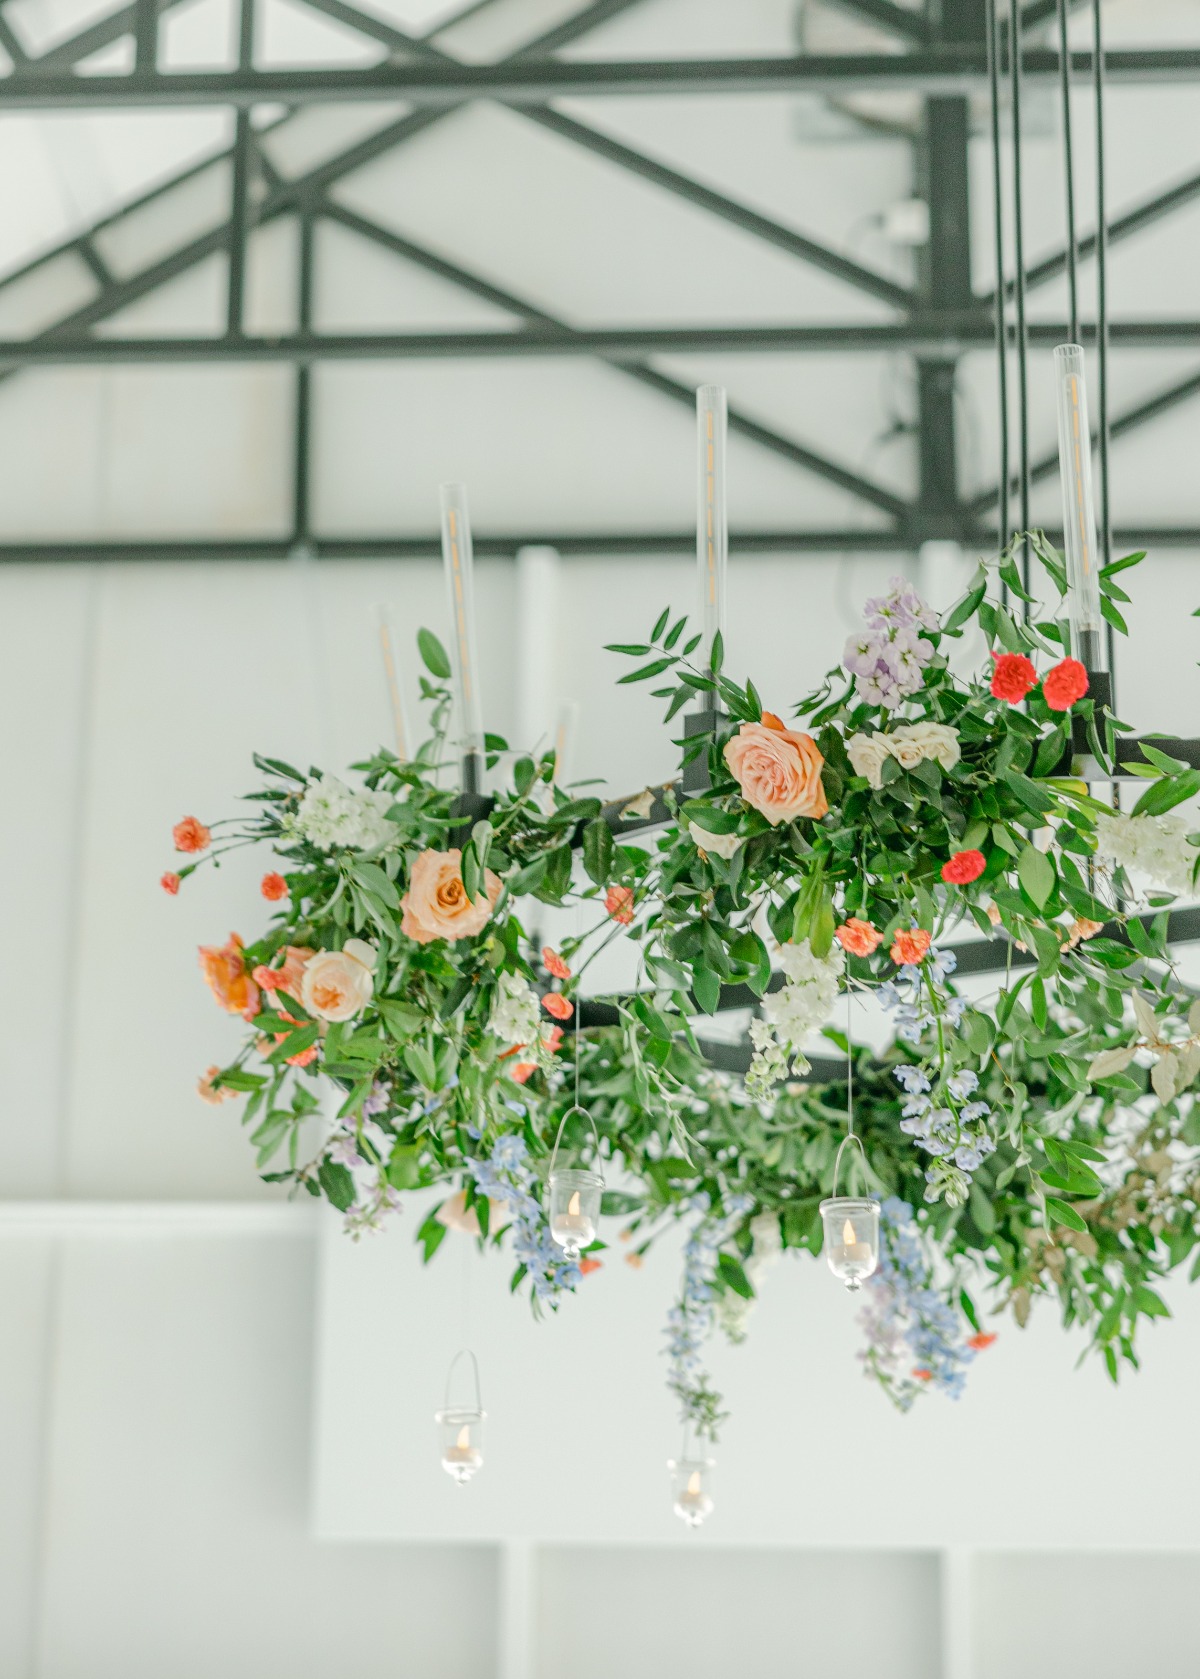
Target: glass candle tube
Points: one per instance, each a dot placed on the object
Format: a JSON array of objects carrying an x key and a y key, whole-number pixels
[
  {"x": 712, "y": 524},
  {"x": 462, "y": 1442},
  {"x": 574, "y": 1210},
  {"x": 458, "y": 562},
  {"x": 691, "y": 1490},
  {"x": 851, "y": 1237},
  {"x": 1079, "y": 519}
]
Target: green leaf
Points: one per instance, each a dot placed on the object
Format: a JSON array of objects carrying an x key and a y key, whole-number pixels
[
  {"x": 338, "y": 1184},
  {"x": 1114, "y": 566},
  {"x": 433, "y": 654},
  {"x": 706, "y": 988},
  {"x": 661, "y": 625},
  {"x": 966, "y": 607},
  {"x": 644, "y": 672},
  {"x": 1166, "y": 794},
  {"x": 1036, "y": 873},
  {"x": 598, "y": 850},
  {"x": 1061, "y": 1213},
  {"x": 717, "y": 657},
  {"x": 732, "y": 1274}
]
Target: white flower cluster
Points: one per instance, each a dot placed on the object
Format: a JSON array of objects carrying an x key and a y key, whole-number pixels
[
  {"x": 1154, "y": 846},
  {"x": 514, "y": 1018},
  {"x": 330, "y": 813},
  {"x": 804, "y": 1003},
  {"x": 909, "y": 745}
]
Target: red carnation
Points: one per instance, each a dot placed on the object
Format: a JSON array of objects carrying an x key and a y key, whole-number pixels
[
  {"x": 274, "y": 887},
  {"x": 1013, "y": 677},
  {"x": 963, "y": 867},
  {"x": 1065, "y": 684}
]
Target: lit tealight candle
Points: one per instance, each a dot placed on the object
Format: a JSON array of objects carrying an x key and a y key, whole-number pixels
[
  {"x": 853, "y": 1252},
  {"x": 462, "y": 1459},
  {"x": 573, "y": 1229},
  {"x": 692, "y": 1503},
  {"x": 851, "y": 1238}
]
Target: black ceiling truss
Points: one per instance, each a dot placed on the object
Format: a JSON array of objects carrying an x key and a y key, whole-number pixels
[{"x": 936, "y": 321}]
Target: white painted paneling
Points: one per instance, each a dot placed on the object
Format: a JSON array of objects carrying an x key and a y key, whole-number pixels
[
  {"x": 1086, "y": 1615},
  {"x": 176, "y": 1539},
  {"x": 712, "y": 1613},
  {"x": 580, "y": 1424},
  {"x": 27, "y": 1288}
]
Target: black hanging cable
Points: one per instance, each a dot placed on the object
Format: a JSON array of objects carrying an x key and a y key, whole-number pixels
[
  {"x": 1064, "y": 73},
  {"x": 1002, "y": 522},
  {"x": 1014, "y": 65},
  {"x": 1102, "y": 313}
]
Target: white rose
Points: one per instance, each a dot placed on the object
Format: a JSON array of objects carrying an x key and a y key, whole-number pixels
[
  {"x": 868, "y": 753},
  {"x": 907, "y": 752},
  {"x": 721, "y": 845},
  {"x": 936, "y": 740},
  {"x": 337, "y": 984}
]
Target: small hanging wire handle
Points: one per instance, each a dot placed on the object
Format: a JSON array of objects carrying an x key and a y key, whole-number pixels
[
  {"x": 577, "y": 1108},
  {"x": 464, "y": 1352},
  {"x": 850, "y": 1137}
]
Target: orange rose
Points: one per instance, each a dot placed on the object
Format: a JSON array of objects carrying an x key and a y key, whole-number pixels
[
  {"x": 191, "y": 835},
  {"x": 910, "y": 946},
  {"x": 436, "y": 905},
  {"x": 778, "y": 771},
  {"x": 290, "y": 976},
  {"x": 224, "y": 969},
  {"x": 858, "y": 938}
]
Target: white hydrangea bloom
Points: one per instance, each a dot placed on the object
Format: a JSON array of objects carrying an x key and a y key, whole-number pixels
[
  {"x": 1154, "y": 846},
  {"x": 330, "y": 813},
  {"x": 514, "y": 1018}
]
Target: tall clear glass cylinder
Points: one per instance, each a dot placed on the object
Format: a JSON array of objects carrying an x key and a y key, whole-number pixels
[
  {"x": 1079, "y": 518},
  {"x": 458, "y": 561},
  {"x": 712, "y": 523}
]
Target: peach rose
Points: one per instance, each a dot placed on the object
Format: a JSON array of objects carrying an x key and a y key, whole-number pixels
[
  {"x": 778, "y": 771},
  {"x": 290, "y": 977},
  {"x": 224, "y": 970},
  {"x": 337, "y": 984},
  {"x": 436, "y": 905}
]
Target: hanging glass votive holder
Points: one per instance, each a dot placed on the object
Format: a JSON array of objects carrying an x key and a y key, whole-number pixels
[
  {"x": 575, "y": 1196},
  {"x": 691, "y": 1487},
  {"x": 851, "y": 1229},
  {"x": 462, "y": 1429}
]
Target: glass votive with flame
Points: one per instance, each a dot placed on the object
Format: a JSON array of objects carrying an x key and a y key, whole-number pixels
[
  {"x": 690, "y": 1488},
  {"x": 851, "y": 1237},
  {"x": 574, "y": 1210},
  {"x": 462, "y": 1442}
]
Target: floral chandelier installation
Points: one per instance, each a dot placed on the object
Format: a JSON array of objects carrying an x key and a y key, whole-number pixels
[{"x": 1039, "y": 1141}]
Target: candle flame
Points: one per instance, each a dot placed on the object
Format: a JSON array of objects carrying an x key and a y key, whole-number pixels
[
  {"x": 693, "y": 1485},
  {"x": 464, "y": 1437},
  {"x": 848, "y": 1237},
  {"x": 573, "y": 1205}
]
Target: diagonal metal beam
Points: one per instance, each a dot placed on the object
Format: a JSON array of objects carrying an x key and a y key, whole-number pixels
[
  {"x": 1133, "y": 221},
  {"x": 863, "y": 488},
  {"x": 682, "y": 186},
  {"x": 1141, "y": 414},
  {"x": 885, "y": 14}
]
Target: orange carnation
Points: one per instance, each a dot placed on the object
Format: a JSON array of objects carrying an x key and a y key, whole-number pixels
[
  {"x": 224, "y": 969},
  {"x": 858, "y": 938},
  {"x": 980, "y": 1343},
  {"x": 557, "y": 1005},
  {"x": 910, "y": 946},
  {"x": 210, "y": 1092},
  {"x": 587, "y": 1266},
  {"x": 923, "y": 1375},
  {"x": 618, "y": 901},
  {"x": 778, "y": 771},
  {"x": 290, "y": 976},
  {"x": 553, "y": 1039},
  {"x": 191, "y": 835},
  {"x": 170, "y": 883},
  {"x": 554, "y": 964},
  {"x": 520, "y": 1070},
  {"x": 273, "y": 887}
]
